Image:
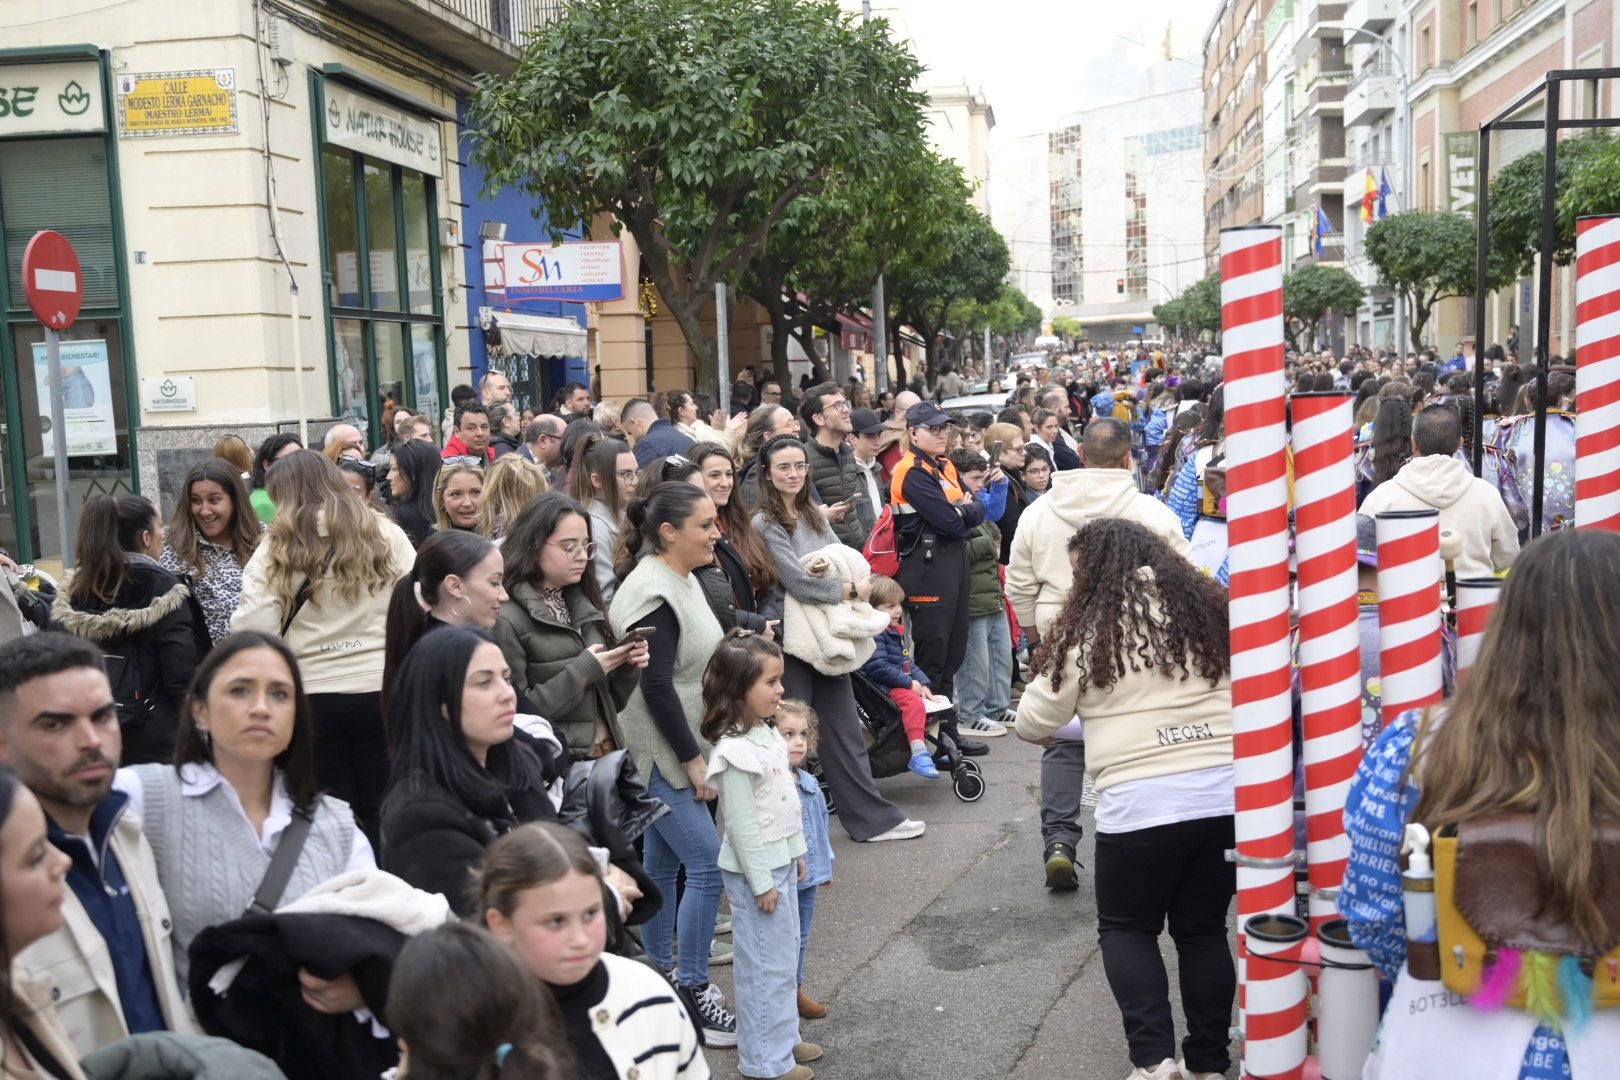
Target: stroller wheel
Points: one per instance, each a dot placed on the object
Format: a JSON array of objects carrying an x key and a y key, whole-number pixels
[
  {"x": 969, "y": 786},
  {"x": 967, "y": 764}
]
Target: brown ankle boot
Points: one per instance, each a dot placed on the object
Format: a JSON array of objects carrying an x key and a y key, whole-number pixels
[{"x": 809, "y": 1008}]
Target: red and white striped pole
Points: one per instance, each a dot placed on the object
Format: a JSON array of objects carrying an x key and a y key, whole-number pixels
[
  {"x": 1597, "y": 372},
  {"x": 1408, "y": 610},
  {"x": 1329, "y": 638},
  {"x": 1476, "y": 599},
  {"x": 1257, "y": 554}
]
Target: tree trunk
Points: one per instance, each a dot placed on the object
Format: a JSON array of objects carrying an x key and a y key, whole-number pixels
[
  {"x": 779, "y": 341},
  {"x": 687, "y": 309},
  {"x": 806, "y": 333},
  {"x": 1420, "y": 322},
  {"x": 899, "y": 358}
]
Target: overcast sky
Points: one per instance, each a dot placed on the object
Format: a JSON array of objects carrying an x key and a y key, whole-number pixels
[{"x": 1034, "y": 57}]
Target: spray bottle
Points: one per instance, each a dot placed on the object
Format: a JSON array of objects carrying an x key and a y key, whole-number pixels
[{"x": 1417, "y": 886}]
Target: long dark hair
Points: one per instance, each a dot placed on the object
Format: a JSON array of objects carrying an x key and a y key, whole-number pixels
[
  {"x": 297, "y": 761},
  {"x": 419, "y": 463},
  {"x": 737, "y": 525},
  {"x": 771, "y": 502},
  {"x": 1174, "y": 623},
  {"x": 441, "y": 555},
  {"x": 110, "y": 528},
  {"x": 669, "y": 504},
  {"x": 533, "y": 529},
  {"x": 266, "y": 454},
  {"x": 1392, "y": 438},
  {"x": 599, "y": 457},
  {"x": 1213, "y": 429},
  {"x": 424, "y": 717},
  {"x": 467, "y": 1009},
  {"x": 734, "y": 667},
  {"x": 182, "y": 534}
]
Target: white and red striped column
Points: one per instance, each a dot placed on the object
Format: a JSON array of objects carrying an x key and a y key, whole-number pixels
[
  {"x": 1257, "y": 554},
  {"x": 1409, "y": 574},
  {"x": 1329, "y": 638},
  {"x": 1597, "y": 372},
  {"x": 1476, "y": 599}
]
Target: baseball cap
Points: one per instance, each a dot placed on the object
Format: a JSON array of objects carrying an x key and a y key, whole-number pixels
[
  {"x": 866, "y": 422},
  {"x": 927, "y": 414}
]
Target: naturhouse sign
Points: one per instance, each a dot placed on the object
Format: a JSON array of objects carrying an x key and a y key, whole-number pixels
[
  {"x": 380, "y": 130},
  {"x": 41, "y": 99},
  {"x": 201, "y": 102}
]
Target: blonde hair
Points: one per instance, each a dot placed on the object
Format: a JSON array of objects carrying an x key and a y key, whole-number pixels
[
  {"x": 886, "y": 590},
  {"x": 812, "y": 723},
  {"x": 508, "y": 486},
  {"x": 232, "y": 449},
  {"x": 606, "y": 414},
  {"x": 442, "y": 519},
  {"x": 309, "y": 491},
  {"x": 1002, "y": 433}
]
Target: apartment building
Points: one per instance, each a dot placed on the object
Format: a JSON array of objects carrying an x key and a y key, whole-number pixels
[
  {"x": 1234, "y": 150},
  {"x": 1321, "y": 78}
]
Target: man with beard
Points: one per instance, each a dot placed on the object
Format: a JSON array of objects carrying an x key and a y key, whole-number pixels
[{"x": 111, "y": 962}]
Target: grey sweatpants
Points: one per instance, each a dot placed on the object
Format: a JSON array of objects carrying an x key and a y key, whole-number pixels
[{"x": 1063, "y": 767}]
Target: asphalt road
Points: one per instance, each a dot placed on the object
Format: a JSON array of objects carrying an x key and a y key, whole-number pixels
[{"x": 946, "y": 957}]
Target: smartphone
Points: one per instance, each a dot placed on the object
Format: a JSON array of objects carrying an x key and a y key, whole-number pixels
[
  {"x": 853, "y": 499},
  {"x": 995, "y": 453},
  {"x": 640, "y": 633}
]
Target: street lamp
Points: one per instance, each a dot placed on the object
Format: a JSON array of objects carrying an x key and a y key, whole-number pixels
[{"x": 1406, "y": 162}]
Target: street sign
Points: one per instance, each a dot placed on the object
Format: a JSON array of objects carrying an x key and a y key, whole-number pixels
[
  {"x": 55, "y": 291},
  {"x": 51, "y": 279}
]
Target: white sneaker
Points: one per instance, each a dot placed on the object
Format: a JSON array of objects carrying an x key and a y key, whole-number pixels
[
  {"x": 1188, "y": 1074},
  {"x": 906, "y": 830},
  {"x": 984, "y": 727},
  {"x": 1166, "y": 1070}
]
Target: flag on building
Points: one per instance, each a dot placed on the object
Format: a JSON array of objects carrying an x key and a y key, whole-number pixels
[
  {"x": 1384, "y": 192},
  {"x": 1369, "y": 196},
  {"x": 1323, "y": 227}
]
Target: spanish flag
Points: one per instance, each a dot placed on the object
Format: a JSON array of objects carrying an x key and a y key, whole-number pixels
[{"x": 1369, "y": 200}]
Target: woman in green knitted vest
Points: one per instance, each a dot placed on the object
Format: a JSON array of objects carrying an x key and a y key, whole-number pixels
[{"x": 671, "y": 533}]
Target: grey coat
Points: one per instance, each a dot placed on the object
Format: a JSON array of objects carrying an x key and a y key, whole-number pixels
[{"x": 551, "y": 664}]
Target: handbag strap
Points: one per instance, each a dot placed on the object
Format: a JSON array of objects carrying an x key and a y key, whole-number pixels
[
  {"x": 280, "y": 870},
  {"x": 302, "y": 596}
]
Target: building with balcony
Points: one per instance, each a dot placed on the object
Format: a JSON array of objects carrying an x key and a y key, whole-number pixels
[
  {"x": 1321, "y": 80},
  {"x": 200, "y": 156},
  {"x": 1234, "y": 150},
  {"x": 1277, "y": 125}
]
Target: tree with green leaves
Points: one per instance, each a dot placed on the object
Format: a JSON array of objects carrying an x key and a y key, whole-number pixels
[
  {"x": 1068, "y": 327},
  {"x": 1312, "y": 291},
  {"x": 1197, "y": 309},
  {"x": 1425, "y": 256},
  {"x": 1588, "y": 182},
  {"x": 695, "y": 125}
]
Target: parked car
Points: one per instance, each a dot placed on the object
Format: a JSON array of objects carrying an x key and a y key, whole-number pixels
[{"x": 963, "y": 407}]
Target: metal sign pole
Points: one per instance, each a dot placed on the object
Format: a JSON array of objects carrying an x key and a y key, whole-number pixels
[
  {"x": 53, "y": 356},
  {"x": 722, "y": 345}
]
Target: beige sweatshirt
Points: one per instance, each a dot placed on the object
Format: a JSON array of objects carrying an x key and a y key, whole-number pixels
[
  {"x": 1468, "y": 506},
  {"x": 1145, "y": 725}
]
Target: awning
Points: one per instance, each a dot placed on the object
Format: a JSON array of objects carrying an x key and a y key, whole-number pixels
[{"x": 539, "y": 335}]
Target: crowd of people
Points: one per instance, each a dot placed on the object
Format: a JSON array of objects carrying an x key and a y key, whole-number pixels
[{"x": 517, "y": 700}]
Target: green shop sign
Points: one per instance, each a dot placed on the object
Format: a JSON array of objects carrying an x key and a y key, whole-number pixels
[{"x": 43, "y": 99}]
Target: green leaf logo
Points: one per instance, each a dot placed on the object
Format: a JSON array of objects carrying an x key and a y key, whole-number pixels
[
  {"x": 167, "y": 388},
  {"x": 73, "y": 99}
]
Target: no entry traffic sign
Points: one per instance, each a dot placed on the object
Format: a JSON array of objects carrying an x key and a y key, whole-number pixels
[{"x": 51, "y": 279}]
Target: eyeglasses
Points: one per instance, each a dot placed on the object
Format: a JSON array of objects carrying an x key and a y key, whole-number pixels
[
  {"x": 574, "y": 549},
  {"x": 357, "y": 465},
  {"x": 839, "y": 406},
  {"x": 791, "y": 468},
  {"x": 627, "y": 475},
  {"x": 465, "y": 459},
  {"x": 939, "y": 429}
]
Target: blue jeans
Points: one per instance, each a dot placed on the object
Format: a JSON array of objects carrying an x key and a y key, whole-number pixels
[
  {"x": 684, "y": 837},
  {"x": 807, "y": 915},
  {"x": 984, "y": 685},
  {"x": 767, "y": 998}
]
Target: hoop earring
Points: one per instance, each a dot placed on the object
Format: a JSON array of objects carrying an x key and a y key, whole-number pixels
[{"x": 462, "y": 614}]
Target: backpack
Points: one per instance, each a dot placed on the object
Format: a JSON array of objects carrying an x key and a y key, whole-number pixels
[{"x": 882, "y": 548}]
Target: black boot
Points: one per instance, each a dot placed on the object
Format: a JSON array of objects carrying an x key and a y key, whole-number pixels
[{"x": 1061, "y": 864}]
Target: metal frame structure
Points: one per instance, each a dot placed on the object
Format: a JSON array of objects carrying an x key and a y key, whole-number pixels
[{"x": 1551, "y": 124}]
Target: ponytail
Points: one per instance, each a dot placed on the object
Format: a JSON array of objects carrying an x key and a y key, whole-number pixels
[
  {"x": 110, "y": 528},
  {"x": 441, "y": 555},
  {"x": 627, "y": 550},
  {"x": 669, "y": 503}
]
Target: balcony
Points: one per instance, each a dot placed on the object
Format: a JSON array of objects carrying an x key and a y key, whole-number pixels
[
  {"x": 1327, "y": 94},
  {"x": 1373, "y": 15},
  {"x": 1373, "y": 94},
  {"x": 1325, "y": 20},
  {"x": 481, "y": 35}
]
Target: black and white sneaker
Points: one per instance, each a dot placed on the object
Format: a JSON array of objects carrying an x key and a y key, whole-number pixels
[{"x": 719, "y": 1022}]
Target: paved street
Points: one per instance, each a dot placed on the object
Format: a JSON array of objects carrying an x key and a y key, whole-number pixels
[{"x": 945, "y": 956}]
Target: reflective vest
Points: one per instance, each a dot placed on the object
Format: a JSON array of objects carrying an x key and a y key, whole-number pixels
[{"x": 943, "y": 470}]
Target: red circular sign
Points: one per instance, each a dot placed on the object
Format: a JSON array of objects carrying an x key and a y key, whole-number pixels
[{"x": 51, "y": 279}]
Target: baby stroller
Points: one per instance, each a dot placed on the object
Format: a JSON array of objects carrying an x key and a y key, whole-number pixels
[{"x": 889, "y": 752}]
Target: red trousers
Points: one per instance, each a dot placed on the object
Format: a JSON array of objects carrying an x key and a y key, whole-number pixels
[{"x": 913, "y": 717}]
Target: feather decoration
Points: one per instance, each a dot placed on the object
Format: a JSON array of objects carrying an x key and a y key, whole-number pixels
[
  {"x": 1576, "y": 987},
  {"x": 1540, "y": 979},
  {"x": 1500, "y": 976}
]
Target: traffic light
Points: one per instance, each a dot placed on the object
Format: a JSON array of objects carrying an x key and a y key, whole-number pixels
[{"x": 1119, "y": 286}]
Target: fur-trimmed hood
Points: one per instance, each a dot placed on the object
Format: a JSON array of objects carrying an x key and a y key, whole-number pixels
[{"x": 151, "y": 595}]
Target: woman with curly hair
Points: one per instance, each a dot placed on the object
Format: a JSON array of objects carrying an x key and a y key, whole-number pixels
[{"x": 1140, "y": 651}]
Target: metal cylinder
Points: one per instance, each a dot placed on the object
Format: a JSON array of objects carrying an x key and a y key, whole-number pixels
[{"x": 1346, "y": 1004}]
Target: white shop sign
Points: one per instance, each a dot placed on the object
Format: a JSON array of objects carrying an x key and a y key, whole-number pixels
[
  {"x": 39, "y": 99},
  {"x": 381, "y": 130},
  {"x": 169, "y": 393}
]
